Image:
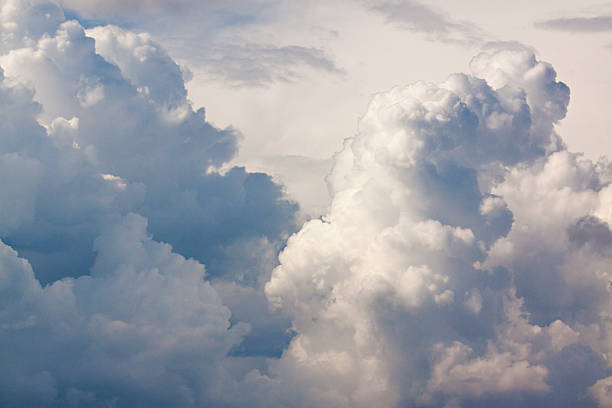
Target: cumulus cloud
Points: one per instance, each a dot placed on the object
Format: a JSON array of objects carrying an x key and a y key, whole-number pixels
[
  {"x": 465, "y": 258},
  {"x": 96, "y": 126},
  {"x": 143, "y": 327},
  {"x": 602, "y": 392},
  {"x": 118, "y": 105},
  {"x": 464, "y": 261}
]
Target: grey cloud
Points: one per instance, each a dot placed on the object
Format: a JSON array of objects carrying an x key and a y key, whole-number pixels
[
  {"x": 143, "y": 328},
  {"x": 577, "y": 24},
  {"x": 591, "y": 231},
  {"x": 156, "y": 150},
  {"x": 421, "y": 18},
  {"x": 260, "y": 65},
  {"x": 118, "y": 136},
  {"x": 109, "y": 8},
  {"x": 238, "y": 62}
]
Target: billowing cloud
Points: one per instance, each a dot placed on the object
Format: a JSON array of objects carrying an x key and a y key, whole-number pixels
[
  {"x": 142, "y": 328},
  {"x": 98, "y": 140},
  {"x": 602, "y": 392},
  {"x": 118, "y": 104},
  {"x": 465, "y": 260}
]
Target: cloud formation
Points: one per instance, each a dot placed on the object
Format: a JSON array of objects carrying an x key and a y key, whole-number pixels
[
  {"x": 118, "y": 105},
  {"x": 142, "y": 328},
  {"x": 97, "y": 141},
  {"x": 465, "y": 260},
  {"x": 466, "y": 253}
]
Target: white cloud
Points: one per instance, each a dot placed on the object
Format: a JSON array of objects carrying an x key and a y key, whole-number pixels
[
  {"x": 145, "y": 64},
  {"x": 464, "y": 260},
  {"x": 554, "y": 233},
  {"x": 425, "y": 213},
  {"x": 152, "y": 140},
  {"x": 459, "y": 374},
  {"x": 602, "y": 392}
]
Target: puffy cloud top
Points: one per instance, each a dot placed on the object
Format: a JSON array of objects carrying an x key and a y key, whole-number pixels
[
  {"x": 465, "y": 260},
  {"x": 116, "y": 114},
  {"x": 98, "y": 145}
]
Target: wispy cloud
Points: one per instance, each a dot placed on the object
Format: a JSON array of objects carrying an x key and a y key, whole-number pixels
[
  {"x": 210, "y": 35},
  {"x": 253, "y": 64},
  {"x": 114, "y": 7},
  {"x": 421, "y": 18},
  {"x": 595, "y": 24}
]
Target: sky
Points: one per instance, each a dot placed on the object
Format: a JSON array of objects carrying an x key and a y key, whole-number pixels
[{"x": 270, "y": 203}]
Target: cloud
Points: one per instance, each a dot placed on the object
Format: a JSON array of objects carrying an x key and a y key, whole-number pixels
[
  {"x": 251, "y": 64},
  {"x": 98, "y": 140},
  {"x": 430, "y": 282},
  {"x": 237, "y": 62},
  {"x": 116, "y": 7},
  {"x": 595, "y": 24},
  {"x": 143, "y": 327},
  {"x": 117, "y": 106},
  {"x": 421, "y": 18},
  {"x": 464, "y": 260},
  {"x": 559, "y": 291},
  {"x": 602, "y": 392}
]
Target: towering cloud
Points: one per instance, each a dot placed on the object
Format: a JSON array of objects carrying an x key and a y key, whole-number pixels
[
  {"x": 465, "y": 260},
  {"x": 98, "y": 144},
  {"x": 127, "y": 117},
  {"x": 466, "y": 257}
]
